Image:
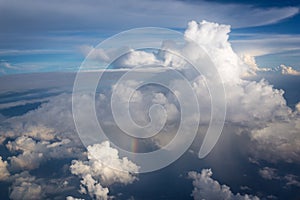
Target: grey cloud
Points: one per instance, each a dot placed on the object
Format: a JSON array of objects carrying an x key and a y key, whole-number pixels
[
  {"x": 4, "y": 173},
  {"x": 268, "y": 173}
]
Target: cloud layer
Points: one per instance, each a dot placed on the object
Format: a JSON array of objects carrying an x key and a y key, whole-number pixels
[{"x": 257, "y": 108}]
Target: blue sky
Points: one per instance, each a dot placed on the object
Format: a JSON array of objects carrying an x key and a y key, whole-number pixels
[{"x": 38, "y": 36}]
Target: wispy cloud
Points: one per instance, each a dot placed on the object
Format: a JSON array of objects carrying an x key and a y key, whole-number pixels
[
  {"x": 41, "y": 15},
  {"x": 262, "y": 44}
]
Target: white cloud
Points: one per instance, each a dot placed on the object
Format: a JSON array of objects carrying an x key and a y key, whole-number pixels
[
  {"x": 93, "y": 188},
  {"x": 297, "y": 107},
  {"x": 287, "y": 70},
  {"x": 34, "y": 153},
  {"x": 104, "y": 167},
  {"x": 264, "y": 44},
  {"x": 253, "y": 67},
  {"x": 104, "y": 164},
  {"x": 138, "y": 58},
  {"x": 213, "y": 38},
  {"x": 274, "y": 127},
  {"x": 4, "y": 174},
  {"x": 73, "y": 198},
  {"x": 278, "y": 140},
  {"x": 207, "y": 188},
  {"x": 7, "y": 65}
]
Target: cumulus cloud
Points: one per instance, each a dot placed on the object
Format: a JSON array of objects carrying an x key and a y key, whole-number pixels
[
  {"x": 138, "y": 58},
  {"x": 268, "y": 173},
  {"x": 207, "y": 188},
  {"x": 292, "y": 180},
  {"x": 287, "y": 70},
  {"x": 93, "y": 188},
  {"x": 253, "y": 67},
  {"x": 213, "y": 37},
  {"x": 24, "y": 187},
  {"x": 34, "y": 153},
  {"x": 73, "y": 198},
  {"x": 103, "y": 167},
  {"x": 278, "y": 140},
  {"x": 4, "y": 174}
]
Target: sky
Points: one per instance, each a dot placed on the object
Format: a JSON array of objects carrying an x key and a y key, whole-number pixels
[
  {"x": 38, "y": 36},
  {"x": 199, "y": 100}
]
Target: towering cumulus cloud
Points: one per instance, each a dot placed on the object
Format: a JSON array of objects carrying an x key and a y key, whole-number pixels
[
  {"x": 273, "y": 125},
  {"x": 214, "y": 39}
]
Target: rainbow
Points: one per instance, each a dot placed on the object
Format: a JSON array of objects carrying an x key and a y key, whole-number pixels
[{"x": 134, "y": 145}]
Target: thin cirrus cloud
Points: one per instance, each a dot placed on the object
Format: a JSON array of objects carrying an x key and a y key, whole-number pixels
[
  {"x": 262, "y": 44},
  {"x": 69, "y": 15}
]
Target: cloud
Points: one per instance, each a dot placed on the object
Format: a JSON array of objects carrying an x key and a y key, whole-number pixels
[
  {"x": 7, "y": 65},
  {"x": 95, "y": 14},
  {"x": 34, "y": 153},
  {"x": 104, "y": 167},
  {"x": 272, "y": 174},
  {"x": 259, "y": 109},
  {"x": 253, "y": 67},
  {"x": 287, "y": 70},
  {"x": 47, "y": 25},
  {"x": 4, "y": 174},
  {"x": 277, "y": 141},
  {"x": 207, "y": 188},
  {"x": 264, "y": 44},
  {"x": 72, "y": 198},
  {"x": 93, "y": 188},
  {"x": 25, "y": 188},
  {"x": 213, "y": 37},
  {"x": 257, "y": 106},
  {"x": 292, "y": 180},
  {"x": 94, "y": 53},
  {"x": 268, "y": 173},
  {"x": 138, "y": 58}
]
